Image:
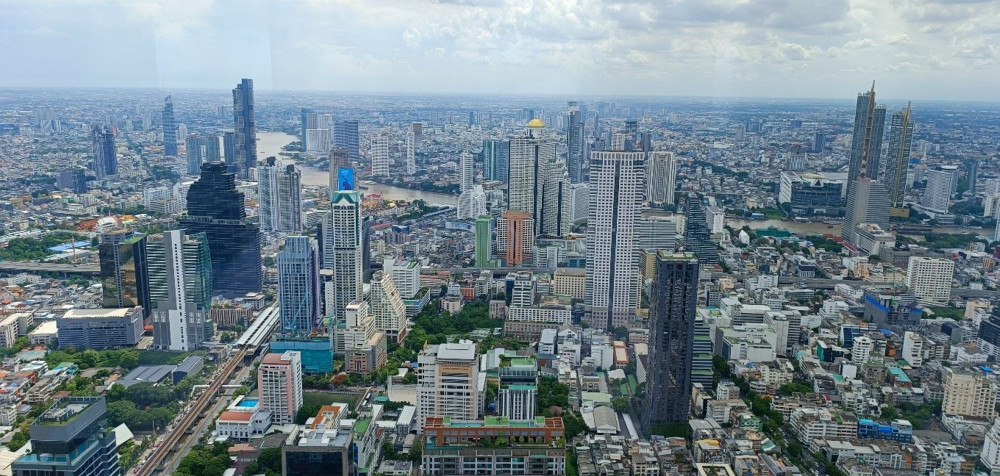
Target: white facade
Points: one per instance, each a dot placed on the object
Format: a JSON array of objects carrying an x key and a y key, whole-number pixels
[
  {"x": 617, "y": 191},
  {"x": 532, "y": 160},
  {"x": 343, "y": 249},
  {"x": 448, "y": 382},
  {"x": 466, "y": 171},
  {"x": 387, "y": 307},
  {"x": 380, "y": 155},
  {"x": 913, "y": 348},
  {"x": 968, "y": 394},
  {"x": 279, "y": 380},
  {"x": 990, "y": 456},
  {"x": 929, "y": 279},
  {"x": 562, "y": 315},
  {"x": 405, "y": 274},
  {"x": 862, "y": 349},
  {"x": 472, "y": 203},
  {"x": 411, "y": 157},
  {"x": 279, "y": 197},
  {"x": 937, "y": 194}
]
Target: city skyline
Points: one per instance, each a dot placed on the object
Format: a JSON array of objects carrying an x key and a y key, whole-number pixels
[{"x": 751, "y": 49}]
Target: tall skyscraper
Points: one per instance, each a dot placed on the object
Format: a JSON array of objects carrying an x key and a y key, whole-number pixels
[
  {"x": 517, "y": 240},
  {"x": 574, "y": 143},
  {"x": 122, "y": 254},
  {"x": 467, "y": 171},
  {"x": 866, "y": 143},
  {"x": 245, "y": 124},
  {"x": 105, "y": 155},
  {"x": 343, "y": 251},
  {"x": 972, "y": 174},
  {"x": 484, "y": 242},
  {"x": 898, "y": 157},
  {"x": 180, "y": 289},
  {"x": 697, "y": 234},
  {"x": 212, "y": 151},
  {"x": 169, "y": 129},
  {"x": 279, "y": 195},
  {"x": 341, "y": 170},
  {"x": 617, "y": 186},
  {"x": 496, "y": 159},
  {"x": 387, "y": 308},
  {"x": 937, "y": 194},
  {"x": 299, "y": 285},
  {"x": 929, "y": 279},
  {"x": 672, "y": 307},
  {"x": 196, "y": 148},
  {"x": 867, "y": 202},
  {"x": 533, "y": 165},
  {"x": 417, "y": 128},
  {"x": 279, "y": 379},
  {"x": 345, "y": 134},
  {"x": 411, "y": 154},
  {"x": 380, "y": 155},
  {"x": 215, "y": 207},
  {"x": 304, "y": 114},
  {"x": 661, "y": 179},
  {"x": 229, "y": 147},
  {"x": 71, "y": 438}
]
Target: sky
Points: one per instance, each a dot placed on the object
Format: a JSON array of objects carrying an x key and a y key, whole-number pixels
[{"x": 913, "y": 49}]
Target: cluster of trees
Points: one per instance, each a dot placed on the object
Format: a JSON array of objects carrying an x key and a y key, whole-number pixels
[
  {"x": 207, "y": 461},
  {"x": 824, "y": 243},
  {"x": 389, "y": 453},
  {"x": 790, "y": 388},
  {"x": 951, "y": 240},
  {"x": 89, "y": 358},
  {"x": 268, "y": 463},
  {"x": 144, "y": 406},
  {"x": 917, "y": 415},
  {"x": 33, "y": 249}
]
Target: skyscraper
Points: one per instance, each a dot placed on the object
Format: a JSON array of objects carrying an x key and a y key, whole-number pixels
[
  {"x": 215, "y": 207},
  {"x": 279, "y": 195},
  {"x": 574, "y": 143},
  {"x": 212, "y": 151},
  {"x": 411, "y": 154},
  {"x": 672, "y": 306},
  {"x": 169, "y": 128},
  {"x": 180, "y": 289},
  {"x": 662, "y": 177},
  {"x": 448, "y": 381},
  {"x": 105, "y": 156},
  {"x": 496, "y": 159},
  {"x": 196, "y": 148},
  {"x": 518, "y": 237},
  {"x": 122, "y": 254},
  {"x": 898, "y": 157},
  {"x": 245, "y": 124},
  {"x": 518, "y": 389},
  {"x": 617, "y": 185},
  {"x": 229, "y": 147},
  {"x": 867, "y": 202},
  {"x": 343, "y": 251},
  {"x": 304, "y": 114},
  {"x": 533, "y": 163},
  {"x": 345, "y": 134},
  {"x": 467, "y": 171},
  {"x": 866, "y": 143},
  {"x": 484, "y": 242},
  {"x": 299, "y": 285},
  {"x": 71, "y": 438},
  {"x": 341, "y": 170},
  {"x": 279, "y": 379},
  {"x": 380, "y": 155},
  {"x": 697, "y": 235}
]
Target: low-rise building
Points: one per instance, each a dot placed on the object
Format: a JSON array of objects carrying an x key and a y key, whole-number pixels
[
  {"x": 112, "y": 328},
  {"x": 494, "y": 446}
]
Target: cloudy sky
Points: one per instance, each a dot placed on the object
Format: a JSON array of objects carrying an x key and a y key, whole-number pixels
[{"x": 915, "y": 49}]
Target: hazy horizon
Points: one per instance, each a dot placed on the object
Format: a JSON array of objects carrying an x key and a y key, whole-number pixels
[{"x": 758, "y": 49}]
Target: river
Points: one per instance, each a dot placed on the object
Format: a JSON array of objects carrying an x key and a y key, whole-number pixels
[{"x": 270, "y": 144}]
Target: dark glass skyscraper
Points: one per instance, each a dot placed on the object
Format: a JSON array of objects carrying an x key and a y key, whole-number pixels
[
  {"x": 124, "y": 281},
  {"x": 169, "y": 129},
  {"x": 898, "y": 158},
  {"x": 671, "y": 339},
  {"x": 496, "y": 159},
  {"x": 245, "y": 124},
  {"x": 866, "y": 143},
  {"x": 71, "y": 439},
  {"x": 215, "y": 207},
  {"x": 697, "y": 236},
  {"x": 574, "y": 143},
  {"x": 345, "y": 134},
  {"x": 105, "y": 155}
]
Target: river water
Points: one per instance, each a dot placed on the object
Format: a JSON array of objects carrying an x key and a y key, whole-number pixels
[{"x": 270, "y": 144}]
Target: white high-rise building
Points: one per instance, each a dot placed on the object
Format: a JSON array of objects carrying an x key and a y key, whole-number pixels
[
  {"x": 279, "y": 380},
  {"x": 180, "y": 289},
  {"x": 532, "y": 158},
  {"x": 862, "y": 349},
  {"x": 380, "y": 155},
  {"x": 472, "y": 203},
  {"x": 358, "y": 340},
  {"x": 617, "y": 191},
  {"x": 343, "y": 250},
  {"x": 579, "y": 202},
  {"x": 929, "y": 279},
  {"x": 913, "y": 348},
  {"x": 662, "y": 178},
  {"x": 411, "y": 156},
  {"x": 448, "y": 382},
  {"x": 937, "y": 194},
  {"x": 280, "y": 196},
  {"x": 467, "y": 171},
  {"x": 990, "y": 456},
  {"x": 387, "y": 307},
  {"x": 405, "y": 274},
  {"x": 318, "y": 140}
]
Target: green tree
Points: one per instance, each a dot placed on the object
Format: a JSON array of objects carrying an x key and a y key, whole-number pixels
[{"x": 620, "y": 404}]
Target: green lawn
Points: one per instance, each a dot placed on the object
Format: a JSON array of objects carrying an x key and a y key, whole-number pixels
[{"x": 322, "y": 398}]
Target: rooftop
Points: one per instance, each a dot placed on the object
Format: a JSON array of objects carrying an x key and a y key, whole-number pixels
[{"x": 99, "y": 313}]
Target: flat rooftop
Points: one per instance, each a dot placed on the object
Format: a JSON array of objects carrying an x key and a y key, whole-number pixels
[{"x": 98, "y": 313}]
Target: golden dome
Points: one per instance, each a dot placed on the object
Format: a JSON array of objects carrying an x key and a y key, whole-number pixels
[{"x": 536, "y": 123}]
